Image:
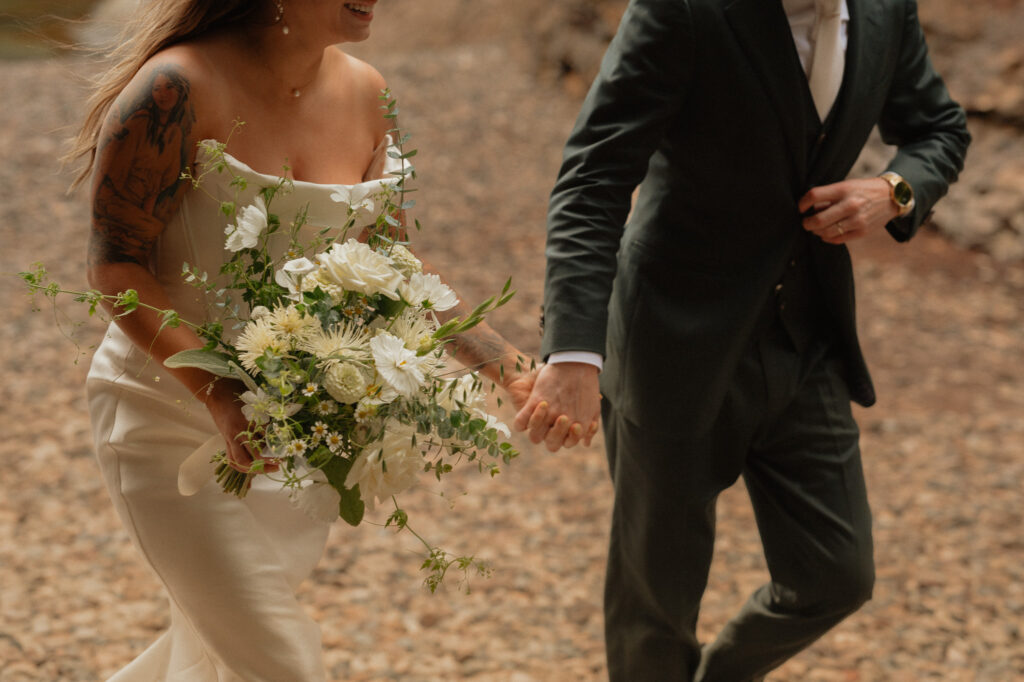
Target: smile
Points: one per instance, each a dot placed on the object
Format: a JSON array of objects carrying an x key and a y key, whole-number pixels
[{"x": 359, "y": 8}]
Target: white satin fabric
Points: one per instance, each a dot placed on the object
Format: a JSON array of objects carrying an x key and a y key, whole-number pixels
[{"x": 230, "y": 567}]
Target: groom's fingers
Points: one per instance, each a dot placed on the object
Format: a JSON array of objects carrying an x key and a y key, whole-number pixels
[
  {"x": 538, "y": 424},
  {"x": 557, "y": 433},
  {"x": 591, "y": 432},
  {"x": 574, "y": 435}
]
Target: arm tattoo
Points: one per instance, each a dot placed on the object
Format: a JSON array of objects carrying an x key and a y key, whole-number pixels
[
  {"x": 481, "y": 346},
  {"x": 138, "y": 185}
]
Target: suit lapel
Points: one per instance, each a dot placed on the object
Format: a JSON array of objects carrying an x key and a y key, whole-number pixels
[
  {"x": 859, "y": 82},
  {"x": 763, "y": 33}
]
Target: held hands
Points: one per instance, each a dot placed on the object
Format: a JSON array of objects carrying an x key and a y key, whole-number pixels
[
  {"x": 564, "y": 407},
  {"x": 848, "y": 210}
]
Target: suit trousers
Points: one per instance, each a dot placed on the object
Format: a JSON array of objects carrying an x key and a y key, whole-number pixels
[{"x": 787, "y": 428}]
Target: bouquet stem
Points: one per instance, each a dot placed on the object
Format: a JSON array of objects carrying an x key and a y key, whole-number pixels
[{"x": 232, "y": 480}]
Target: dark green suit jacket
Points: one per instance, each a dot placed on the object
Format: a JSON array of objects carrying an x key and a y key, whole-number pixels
[{"x": 705, "y": 102}]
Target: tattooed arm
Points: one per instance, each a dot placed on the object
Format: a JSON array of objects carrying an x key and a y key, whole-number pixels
[
  {"x": 486, "y": 351},
  {"x": 145, "y": 144}
]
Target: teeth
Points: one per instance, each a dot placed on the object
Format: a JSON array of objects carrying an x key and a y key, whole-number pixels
[{"x": 359, "y": 7}]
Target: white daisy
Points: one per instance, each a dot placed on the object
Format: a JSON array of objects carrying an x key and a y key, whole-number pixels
[
  {"x": 295, "y": 448},
  {"x": 310, "y": 389},
  {"x": 428, "y": 292},
  {"x": 400, "y": 367},
  {"x": 333, "y": 441},
  {"x": 318, "y": 432},
  {"x": 326, "y": 408}
]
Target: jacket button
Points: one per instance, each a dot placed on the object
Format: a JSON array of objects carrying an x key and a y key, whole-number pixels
[
  {"x": 778, "y": 287},
  {"x": 821, "y": 138}
]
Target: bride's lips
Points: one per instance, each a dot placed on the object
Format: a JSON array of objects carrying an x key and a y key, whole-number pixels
[{"x": 360, "y": 10}]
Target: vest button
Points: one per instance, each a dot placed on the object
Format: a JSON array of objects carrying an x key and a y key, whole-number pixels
[{"x": 821, "y": 138}]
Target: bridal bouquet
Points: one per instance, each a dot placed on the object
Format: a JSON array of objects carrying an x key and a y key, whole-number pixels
[{"x": 341, "y": 353}]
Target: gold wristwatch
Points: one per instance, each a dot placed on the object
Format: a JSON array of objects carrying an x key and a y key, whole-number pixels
[{"x": 900, "y": 191}]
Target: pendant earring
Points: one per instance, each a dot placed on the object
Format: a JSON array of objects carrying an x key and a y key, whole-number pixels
[{"x": 280, "y": 17}]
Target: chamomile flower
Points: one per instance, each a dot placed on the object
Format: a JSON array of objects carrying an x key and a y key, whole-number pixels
[
  {"x": 333, "y": 441},
  {"x": 326, "y": 408},
  {"x": 310, "y": 389},
  {"x": 295, "y": 448},
  {"x": 318, "y": 432}
]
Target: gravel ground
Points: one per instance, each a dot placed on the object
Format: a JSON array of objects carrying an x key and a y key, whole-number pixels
[{"x": 943, "y": 330}]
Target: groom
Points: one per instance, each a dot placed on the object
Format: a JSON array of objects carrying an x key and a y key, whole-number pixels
[{"x": 723, "y": 310}]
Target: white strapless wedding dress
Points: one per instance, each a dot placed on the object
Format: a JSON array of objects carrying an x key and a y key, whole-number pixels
[{"x": 230, "y": 566}]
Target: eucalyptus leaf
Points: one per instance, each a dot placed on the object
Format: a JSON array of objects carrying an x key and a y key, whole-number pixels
[{"x": 206, "y": 360}]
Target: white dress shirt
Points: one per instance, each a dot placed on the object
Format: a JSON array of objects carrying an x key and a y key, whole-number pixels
[{"x": 801, "y": 15}]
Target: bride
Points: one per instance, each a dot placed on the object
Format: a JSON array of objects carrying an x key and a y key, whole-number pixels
[{"x": 187, "y": 71}]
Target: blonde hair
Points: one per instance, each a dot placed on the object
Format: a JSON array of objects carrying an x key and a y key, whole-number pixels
[{"x": 155, "y": 25}]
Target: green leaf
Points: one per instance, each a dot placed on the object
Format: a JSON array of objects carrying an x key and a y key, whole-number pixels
[
  {"x": 242, "y": 375},
  {"x": 351, "y": 507},
  {"x": 209, "y": 361}
]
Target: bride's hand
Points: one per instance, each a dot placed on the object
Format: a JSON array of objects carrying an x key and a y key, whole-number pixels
[
  {"x": 226, "y": 410},
  {"x": 519, "y": 386}
]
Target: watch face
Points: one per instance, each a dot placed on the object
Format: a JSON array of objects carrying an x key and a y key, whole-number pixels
[{"x": 902, "y": 193}]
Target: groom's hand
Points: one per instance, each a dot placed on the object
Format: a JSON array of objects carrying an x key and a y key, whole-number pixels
[
  {"x": 847, "y": 210},
  {"x": 564, "y": 407}
]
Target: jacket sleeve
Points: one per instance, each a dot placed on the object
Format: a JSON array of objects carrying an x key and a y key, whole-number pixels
[
  {"x": 928, "y": 128},
  {"x": 639, "y": 89}
]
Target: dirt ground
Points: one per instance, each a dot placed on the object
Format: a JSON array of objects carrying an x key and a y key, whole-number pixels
[{"x": 943, "y": 330}]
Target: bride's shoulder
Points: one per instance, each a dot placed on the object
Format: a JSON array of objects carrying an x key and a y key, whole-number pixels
[
  {"x": 357, "y": 74},
  {"x": 356, "y": 80},
  {"x": 197, "y": 72}
]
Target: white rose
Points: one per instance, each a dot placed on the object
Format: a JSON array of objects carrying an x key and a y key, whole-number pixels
[
  {"x": 354, "y": 266},
  {"x": 249, "y": 225}
]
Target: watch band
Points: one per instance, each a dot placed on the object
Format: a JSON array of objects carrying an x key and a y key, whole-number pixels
[{"x": 900, "y": 192}]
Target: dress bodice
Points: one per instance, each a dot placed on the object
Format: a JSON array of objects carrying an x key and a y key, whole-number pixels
[{"x": 196, "y": 234}]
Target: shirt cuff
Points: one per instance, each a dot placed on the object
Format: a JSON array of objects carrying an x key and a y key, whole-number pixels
[{"x": 584, "y": 356}]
